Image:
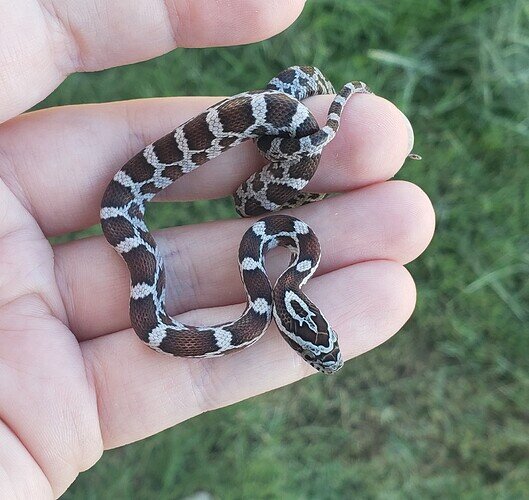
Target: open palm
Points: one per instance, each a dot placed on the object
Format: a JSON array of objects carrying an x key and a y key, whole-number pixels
[{"x": 74, "y": 380}]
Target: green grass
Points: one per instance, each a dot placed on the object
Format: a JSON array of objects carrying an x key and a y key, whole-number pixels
[{"x": 440, "y": 411}]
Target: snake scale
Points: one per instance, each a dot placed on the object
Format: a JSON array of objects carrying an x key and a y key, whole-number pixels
[{"x": 289, "y": 137}]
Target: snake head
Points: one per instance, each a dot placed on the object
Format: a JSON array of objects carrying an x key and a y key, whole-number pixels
[
  {"x": 325, "y": 362},
  {"x": 307, "y": 331}
]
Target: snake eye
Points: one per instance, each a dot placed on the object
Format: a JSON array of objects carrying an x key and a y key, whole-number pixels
[{"x": 307, "y": 355}]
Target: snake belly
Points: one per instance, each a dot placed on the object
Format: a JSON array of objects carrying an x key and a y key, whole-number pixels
[{"x": 289, "y": 137}]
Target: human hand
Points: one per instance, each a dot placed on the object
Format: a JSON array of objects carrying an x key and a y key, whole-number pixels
[{"x": 74, "y": 379}]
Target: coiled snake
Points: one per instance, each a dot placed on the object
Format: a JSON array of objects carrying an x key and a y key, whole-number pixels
[{"x": 288, "y": 135}]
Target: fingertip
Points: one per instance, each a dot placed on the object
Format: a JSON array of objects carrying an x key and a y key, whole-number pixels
[
  {"x": 266, "y": 21},
  {"x": 371, "y": 145},
  {"x": 383, "y": 139},
  {"x": 408, "y": 219},
  {"x": 420, "y": 215},
  {"x": 409, "y": 129},
  {"x": 387, "y": 302},
  {"x": 200, "y": 24},
  {"x": 406, "y": 294}
]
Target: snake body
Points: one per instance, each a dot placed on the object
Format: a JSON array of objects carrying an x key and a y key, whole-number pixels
[{"x": 288, "y": 135}]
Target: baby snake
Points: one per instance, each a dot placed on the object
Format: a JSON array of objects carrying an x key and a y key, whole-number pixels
[{"x": 288, "y": 135}]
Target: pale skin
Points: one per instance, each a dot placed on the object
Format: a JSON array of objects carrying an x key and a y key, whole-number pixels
[{"x": 74, "y": 379}]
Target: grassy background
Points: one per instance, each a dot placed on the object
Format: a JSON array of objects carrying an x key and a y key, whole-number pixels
[{"x": 442, "y": 409}]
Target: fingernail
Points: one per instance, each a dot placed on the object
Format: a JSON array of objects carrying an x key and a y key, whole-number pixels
[{"x": 409, "y": 128}]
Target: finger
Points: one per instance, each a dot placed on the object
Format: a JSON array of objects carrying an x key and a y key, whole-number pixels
[
  {"x": 64, "y": 192},
  {"x": 18, "y": 470},
  {"x": 42, "y": 42},
  {"x": 45, "y": 398},
  {"x": 141, "y": 392},
  {"x": 392, "y": 221}
]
